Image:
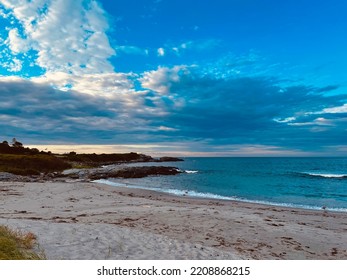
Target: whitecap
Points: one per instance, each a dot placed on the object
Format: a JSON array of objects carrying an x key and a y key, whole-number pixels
[{"x": 326, "y": 175}]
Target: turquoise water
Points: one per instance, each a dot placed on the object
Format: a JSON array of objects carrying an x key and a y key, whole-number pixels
[{"x": 310, "y": 183}]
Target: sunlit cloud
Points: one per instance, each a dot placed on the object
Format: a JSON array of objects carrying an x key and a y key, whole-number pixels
[{"x": 83, "y": 25}]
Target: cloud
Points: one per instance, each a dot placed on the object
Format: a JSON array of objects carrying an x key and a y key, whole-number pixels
[
  {"x": 201, "y": 45},
  {"x": 232, "y": 103},
  {"x": 68, "y": 36},
  {"x": 251, "y": 110},
  {"x": 33, "y": 109},
  {"x": 336, "y": 110},
  {"x": 181, "y": 104},
  {"x": 114, "y": 86},
  {"x": 327, "y": 88},
  {"x": 163, "y": 78},
  {"x": 131, "y": 50},
  {"x": 161, "y": 52},
  {"x": 13, "y": 66},
  {"x": 16, "y": 43}
]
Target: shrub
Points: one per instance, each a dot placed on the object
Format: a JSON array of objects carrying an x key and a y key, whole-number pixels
[
  {"x": 31, "y": 164},
  {"x": 15, "y": 245}
]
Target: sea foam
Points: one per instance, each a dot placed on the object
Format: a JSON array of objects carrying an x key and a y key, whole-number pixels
[
  {"x": 325, "y": 175},
  {"x": 194, "y": 194}
]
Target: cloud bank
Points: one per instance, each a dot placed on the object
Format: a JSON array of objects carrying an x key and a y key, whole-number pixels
[
  {"x": 179, "y": 105},
  {"x": 230, "y": 106}
]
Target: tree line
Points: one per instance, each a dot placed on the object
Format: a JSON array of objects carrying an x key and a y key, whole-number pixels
[{"x": 17, "y": 148}]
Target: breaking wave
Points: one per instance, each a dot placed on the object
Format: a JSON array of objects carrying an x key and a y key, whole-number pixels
[
  {"x": 325, "y": 175},
  {"x": 190, "y": 193}
]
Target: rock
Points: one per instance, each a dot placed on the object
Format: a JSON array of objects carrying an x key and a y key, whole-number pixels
[
  {"x": 136, "y": 172},
  {"x": 167, "y": 159},
  {"x": 5, "y": 176},
  {"x": 87, "y": 174}
]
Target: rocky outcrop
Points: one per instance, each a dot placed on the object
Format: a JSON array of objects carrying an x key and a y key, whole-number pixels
[
  {"x": 87, "y": 174},
  {"x": 167, "y": 159},
  {"x": 136, "y": 172},
  {"x": 119, "y": 171}
]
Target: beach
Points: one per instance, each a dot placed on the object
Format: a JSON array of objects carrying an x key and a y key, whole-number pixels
[{"x": 84, "y": 220}]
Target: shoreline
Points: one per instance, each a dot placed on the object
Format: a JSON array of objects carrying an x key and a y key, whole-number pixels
[
  {"x": 222, "y": 198},
  {"x": 224, "y": 229}
]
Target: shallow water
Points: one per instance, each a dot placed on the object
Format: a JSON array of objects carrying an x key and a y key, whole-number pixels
[{"x": 310, "y": 183}]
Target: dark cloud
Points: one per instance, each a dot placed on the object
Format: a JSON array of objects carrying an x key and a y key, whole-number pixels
[
  {"x": 232, "y": 111},
  {"x": 327, "y": 88},
  {"x": 31, "y": 110},
  {"x": 245, "y": 110}
]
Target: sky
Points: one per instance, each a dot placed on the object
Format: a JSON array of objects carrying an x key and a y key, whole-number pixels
[{"x": 175, "y": 77}]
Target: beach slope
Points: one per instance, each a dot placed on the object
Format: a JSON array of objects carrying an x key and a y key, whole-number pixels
[{"x": 79, "y": 220}]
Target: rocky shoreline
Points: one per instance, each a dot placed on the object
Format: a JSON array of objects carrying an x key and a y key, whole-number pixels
[
  {"x": 96, "y": 173},
  {"x": 119, "y": 171}
]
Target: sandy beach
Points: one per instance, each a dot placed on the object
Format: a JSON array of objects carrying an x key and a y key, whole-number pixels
[{"x": 80, "y": 220}]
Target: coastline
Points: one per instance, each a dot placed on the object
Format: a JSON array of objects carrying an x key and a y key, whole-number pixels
[
  {"x": 210, "y": 196},
  {"x": 153, "y": 225}
]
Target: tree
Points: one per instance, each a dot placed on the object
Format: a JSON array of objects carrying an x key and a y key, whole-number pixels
[
  {"x": 5, "y": 148},
  {"x": 16, "y": 144}
]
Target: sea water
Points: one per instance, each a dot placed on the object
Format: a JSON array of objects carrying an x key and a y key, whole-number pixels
[{"x": 311, "y": 183}]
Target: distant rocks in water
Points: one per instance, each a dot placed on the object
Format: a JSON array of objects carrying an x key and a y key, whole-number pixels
[
  {"x": 136, "y": 172},
  {"x": 167, "y": 159}
]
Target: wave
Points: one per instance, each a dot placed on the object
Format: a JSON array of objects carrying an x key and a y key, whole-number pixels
[
  {"x": 191, "y": 171},
  {"x": 325, "y": 175},
  {"x": 195, "y": 194},
  {"x": 169, "y": 191}
]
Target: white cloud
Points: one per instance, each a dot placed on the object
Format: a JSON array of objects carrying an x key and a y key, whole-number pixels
[
  {"x": 176, "y": 50},
  {"x": 165, "y": 128},
  {"x": 69, "y": 36},
  {"x": 13, "y": 66},
  {"x": 198, "y": 45},
  {"x": 336, "y": 110},
  {"x": 161, "y": 52},
  {"x": 109, "y": 85},
  {"x": 16, "y": 43},
  {"x": 285, "y": 120},
  {"x": 131, "y": 50},
  {"x": 316, "y": 122},
  {"x": 160, "y": 80}
]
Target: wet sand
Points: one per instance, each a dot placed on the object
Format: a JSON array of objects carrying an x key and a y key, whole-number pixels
[{"x": 78, "y": 220}]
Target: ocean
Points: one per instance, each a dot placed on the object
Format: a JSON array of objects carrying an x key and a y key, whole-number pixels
[{"x": 310, "y": 183}]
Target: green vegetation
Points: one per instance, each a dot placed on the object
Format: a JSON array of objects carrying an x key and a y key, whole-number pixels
[
  {"x": 31, "y": 164},
  {"x": 18, "y": 149},
  {"x": 15, "y": 245},
  {"x": 95, "y": 159},
  {"x": 19, "y": 160}
]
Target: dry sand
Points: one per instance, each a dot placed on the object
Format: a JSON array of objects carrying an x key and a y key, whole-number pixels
[{"x": 77, "y": 220}]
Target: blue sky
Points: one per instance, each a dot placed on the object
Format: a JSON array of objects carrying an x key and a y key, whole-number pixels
[{"x": 221, "y": 77}]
